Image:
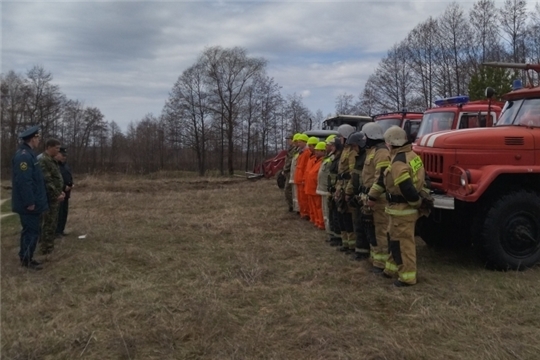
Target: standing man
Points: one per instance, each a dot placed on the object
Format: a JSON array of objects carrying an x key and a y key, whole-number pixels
[
  {"x": 404, "y": 179},
  {"x": 301, "y": 142},
  {"x": 301, "y": 164},
  {"x": 67, "y": 178},
  {"x": 345, "y": 166},
  {"x": 333, "y": 214},
  {"x": 378, "y": 159},
  {"x": 287, "y": 170},
  {"x": 54, "y": 185},
  {"x": 323, "y": 183},
  {"x": 28, "y": 197}
]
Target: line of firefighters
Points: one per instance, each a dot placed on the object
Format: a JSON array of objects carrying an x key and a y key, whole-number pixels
[{"x": 366, "y": 189}]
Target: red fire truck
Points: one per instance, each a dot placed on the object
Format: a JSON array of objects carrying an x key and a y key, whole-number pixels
[
  {"x": 487, "y": 182},
  {"x": 409, "y": 121},
  {"x": 457, "y": 113}
]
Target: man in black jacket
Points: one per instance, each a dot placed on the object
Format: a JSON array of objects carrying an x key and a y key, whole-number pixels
[{"x": 68, "y": 185}]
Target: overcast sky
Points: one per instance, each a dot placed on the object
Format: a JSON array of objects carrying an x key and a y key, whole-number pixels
[{"x": 124, "y": 56}]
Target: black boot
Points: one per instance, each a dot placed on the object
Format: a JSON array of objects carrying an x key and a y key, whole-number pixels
[
  {"x": 398, "y": 283},
  {"x": 358, "y": 256},
  {"x": 31, "y": 264},
  {"x": 345, "y": 249},
  {"x": 336, "y": 242}
]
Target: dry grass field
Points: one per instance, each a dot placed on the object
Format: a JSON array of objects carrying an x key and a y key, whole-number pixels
[{"x": 188, "y": 268}]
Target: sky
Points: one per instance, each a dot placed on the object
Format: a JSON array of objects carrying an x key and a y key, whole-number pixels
[{"x": 124, "y": 57}]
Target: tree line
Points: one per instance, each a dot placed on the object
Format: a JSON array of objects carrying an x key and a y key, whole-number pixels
[
  {"x": 225, "y": 112},
  {"x": 442, "y": 57}
]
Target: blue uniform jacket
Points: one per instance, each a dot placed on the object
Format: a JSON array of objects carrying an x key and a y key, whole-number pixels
[{"x": 28, "y": 183}]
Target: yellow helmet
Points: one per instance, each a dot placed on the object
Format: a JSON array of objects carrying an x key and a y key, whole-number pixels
[
  {"x": 321, "y": 145},
  {"x": 313, "y": 140},
  {"x": 303, "y": 137},
  {"x": 330, "y": 139},
  {"x": 295, "y": 136}
]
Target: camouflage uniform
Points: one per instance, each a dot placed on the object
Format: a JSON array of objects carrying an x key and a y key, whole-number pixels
[
  {"x": 54, "y": 185},
  {"x": 345, "y": 166}
]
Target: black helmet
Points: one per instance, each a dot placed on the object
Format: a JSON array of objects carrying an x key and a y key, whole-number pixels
[{"x": 357, "y": 138}]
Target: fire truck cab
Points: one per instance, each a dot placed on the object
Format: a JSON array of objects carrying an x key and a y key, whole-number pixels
[
  {"x": 356, "y": 121},
  {"x": 409, "y": 121},
  {"x": 457, "y": 113},
  {"x": 487, "y": 183}
]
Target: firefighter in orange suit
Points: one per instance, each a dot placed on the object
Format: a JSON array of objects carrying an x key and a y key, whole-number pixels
[
  {"x": 404, "y": 179},
  {"x": 345, "y": 166},
  {"x": 299, "y": 175},
  {"x": 314, "y": 199},
  {"x": 377, "y": 160},
  {"x": 312, "y": 141}
]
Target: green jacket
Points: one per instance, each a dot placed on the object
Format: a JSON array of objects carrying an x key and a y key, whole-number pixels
[{"x": 53, "y": 178}]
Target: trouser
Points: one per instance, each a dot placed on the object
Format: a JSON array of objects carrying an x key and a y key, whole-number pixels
[
  {"x": 379, "y": 238},
  {"x": 402, "y": 246},
  {"x": 296, "y": 207},
  {"x": 347, "y": 230},
  {"x": 302, "y": 201},
  {"x": 317, "y": 211},
  {"x": 326, "y": 214},
  {"x": 333, "y": 217},
  {"x": 49, "y": 224},
  {"x": 31, "y": 231},
  {"x": 63, "y": 209},
  {"x": 361, "y": 239}
]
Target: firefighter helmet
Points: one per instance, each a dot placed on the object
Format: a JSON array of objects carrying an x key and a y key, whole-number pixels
[
  {"x": 373, "y": 131},
  {"x": 313, "y": 140},
  {"x": 345, "y": 130},
  {"x": 395, "y": 136},
  {"x": 321, "y": 146},
  {"x": 357, "y": 138}
]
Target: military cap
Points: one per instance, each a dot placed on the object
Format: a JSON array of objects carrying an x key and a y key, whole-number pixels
[
  {"x": 29, "y": 132},
  {"x": 63, "y": 151}
]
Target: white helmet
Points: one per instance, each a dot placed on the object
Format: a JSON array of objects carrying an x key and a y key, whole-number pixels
[
  {"x": 345, "y": 130},
  {"x": 396, "y": 136},
  {"x": 373, "y": 131}
]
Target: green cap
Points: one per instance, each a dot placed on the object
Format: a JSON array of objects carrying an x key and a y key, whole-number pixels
[
  {"x": 313, "y": 140},
  {"x": 303, "y": 137},
  {"x": 321, "y": 145}
]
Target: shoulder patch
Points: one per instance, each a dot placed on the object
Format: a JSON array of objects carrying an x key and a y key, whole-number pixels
[{"x": 23, "y": 166}]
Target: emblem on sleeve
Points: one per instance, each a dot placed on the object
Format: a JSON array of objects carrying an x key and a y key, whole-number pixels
[{"x": 23, "y": 166}]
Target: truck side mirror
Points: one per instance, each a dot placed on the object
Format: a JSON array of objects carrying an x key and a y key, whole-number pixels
[{"x": 490, "y": 92}]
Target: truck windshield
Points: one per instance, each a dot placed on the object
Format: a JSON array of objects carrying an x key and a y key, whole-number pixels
[
  {"x": 436, "y": 121},
  {"x": 524, "y": 112},
  {"x": 387, "y": 123}
]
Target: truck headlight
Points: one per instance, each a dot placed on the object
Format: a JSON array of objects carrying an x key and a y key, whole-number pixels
[{"x": 465, "y": 178}]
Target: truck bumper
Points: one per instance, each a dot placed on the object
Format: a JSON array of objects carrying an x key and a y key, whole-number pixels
[{"x": 443, "y": 202}]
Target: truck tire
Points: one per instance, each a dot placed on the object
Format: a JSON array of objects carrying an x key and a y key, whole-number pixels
[
  {"x": 511, "y": 231},
  {"x": 281, "y": 180}
]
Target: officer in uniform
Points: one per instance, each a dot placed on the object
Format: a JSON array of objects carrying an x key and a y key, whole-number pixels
[
  {"x": 28, "y": 197},
  {"x": 323, "y": 182},
  {"x": 67, "y": 178},
  {"x": 287, "y": 171},
  {"x": 357, "y": 141},
  {"x": 404, "y": 180},
  {"x": 345, "y": 166},
  {"x": 55, "y": 194},
  {"x": 376, "y": 223}
]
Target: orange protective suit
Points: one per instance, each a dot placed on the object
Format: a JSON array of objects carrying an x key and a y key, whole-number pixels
[
  {"x": 314, "y": 200},
  {"x": 299, "y": 178}
]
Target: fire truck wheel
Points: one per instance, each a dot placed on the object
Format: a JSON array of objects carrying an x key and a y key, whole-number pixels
[
  {"x": 511, "y": 231},
  {"x": 281, "y": 180}
]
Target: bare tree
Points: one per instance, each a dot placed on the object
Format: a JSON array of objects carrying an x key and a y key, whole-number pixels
[{"x": 513, "y": 18}]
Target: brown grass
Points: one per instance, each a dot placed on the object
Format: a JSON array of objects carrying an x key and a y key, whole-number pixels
[{"x": 217, "y": 269}]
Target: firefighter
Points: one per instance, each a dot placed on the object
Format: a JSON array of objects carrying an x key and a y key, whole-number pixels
[
  {"x": 287, "y": 170},
  {"x": 301, "y": 142},
  {"x": 375, "y": 219},
  {"x": 357, "y": 142},
  {"x": 308, "y": 209},
  {"x": 314, "y": 199},
  {"x": 404, "y": 179},
  {"x": 323, "y": 184},
  {"x": 333, "y": 214},
  {"x": 345, "y": 166}
]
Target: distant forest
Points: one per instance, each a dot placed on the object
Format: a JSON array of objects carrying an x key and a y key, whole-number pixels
[{"x": 225, "y": 113}]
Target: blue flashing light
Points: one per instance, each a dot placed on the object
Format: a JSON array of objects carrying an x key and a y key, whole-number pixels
[
  {"x": 455, "y": 100},
  {"x": 517, "y": 84}
]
